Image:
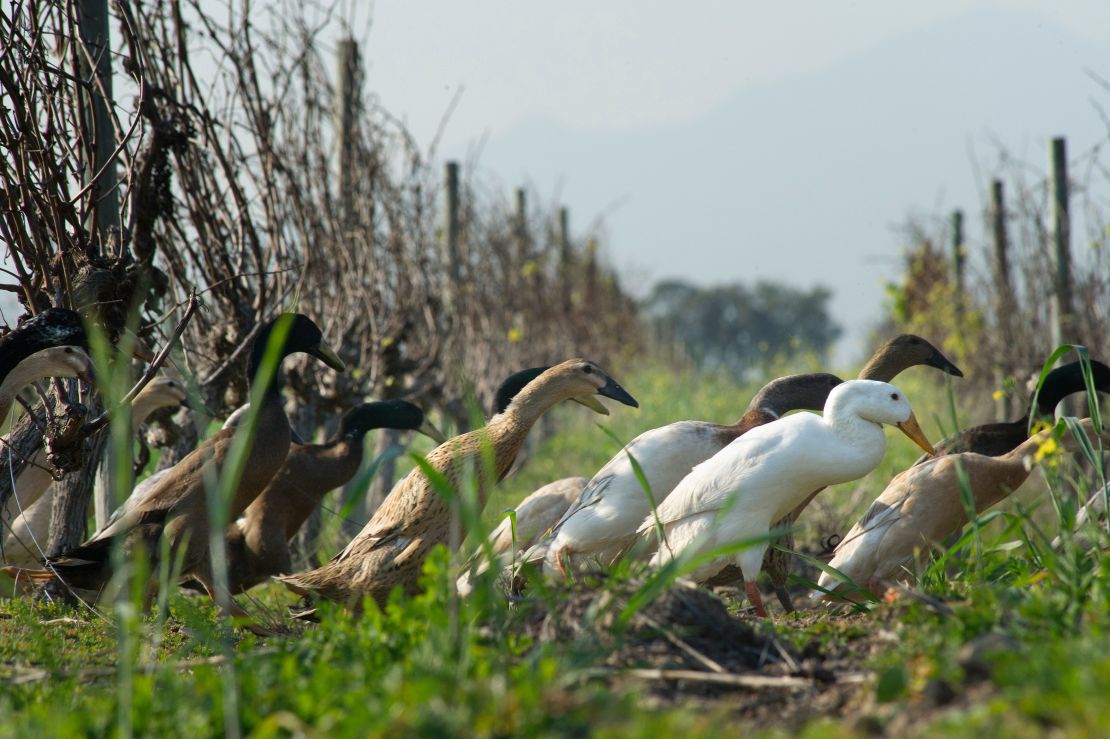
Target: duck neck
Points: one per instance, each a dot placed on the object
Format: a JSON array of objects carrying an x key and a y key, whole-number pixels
[
  {"x": 795, "y": 392},
  {"x": 141, "y": 410},
  {"x": 255, "y": 365},
  {"x": 853, "y": 428},
  {"x": 1062, "y": 382},
  {"x": 884, "y": 365},
  {"x": 320, "y": 468},
  {"x": 769, "y": 399},
  {"x": 752, "y": 417},
  {"x": 509, "y": 428},
  {"x": 1016, "y": 456},
  {"x": 20, "y": 376}
]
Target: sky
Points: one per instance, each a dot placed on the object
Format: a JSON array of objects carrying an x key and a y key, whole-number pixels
[
  {"x": 725, "y": 141},
  {"x": 737, "y": 141}
]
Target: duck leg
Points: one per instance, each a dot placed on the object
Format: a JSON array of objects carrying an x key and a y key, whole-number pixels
[
  {"x": 784, "y": 597},
  {"x": 755, "y": 598},
  {"x": 234, "y": 611},
  {"x": 561, "y": 558},
  {"x": 776, "y": 562}
]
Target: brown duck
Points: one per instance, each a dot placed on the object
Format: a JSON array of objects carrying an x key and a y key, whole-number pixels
[
  {"x": 258, "y": 543},
  {"x": 391, "y": 549},
  {"x": 176, "y": 507}
]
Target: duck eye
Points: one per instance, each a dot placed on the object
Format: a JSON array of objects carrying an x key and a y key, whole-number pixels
[
  {"x": 587, "y": 369},
  {"x": 894, "y": 396}
]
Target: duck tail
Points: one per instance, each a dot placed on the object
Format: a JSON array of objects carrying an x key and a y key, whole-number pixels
[
  {"x": 295, "y": 584},
  {"x": 304, "y": 611}
]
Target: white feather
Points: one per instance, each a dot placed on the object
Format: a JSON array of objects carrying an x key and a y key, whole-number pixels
[
  {"x": 535, "y": 515},
  {"x": 605, "y": 517},
  {"x": 761, "y": 476}
]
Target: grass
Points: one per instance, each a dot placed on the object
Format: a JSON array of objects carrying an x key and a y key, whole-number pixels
[{"x": 432, "y": 666}]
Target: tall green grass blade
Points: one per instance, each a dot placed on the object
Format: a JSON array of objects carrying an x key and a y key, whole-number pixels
[{"x": 638, "y": 470}]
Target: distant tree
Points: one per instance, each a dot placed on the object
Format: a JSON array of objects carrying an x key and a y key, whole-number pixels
[{"x": 739, "y": 329}]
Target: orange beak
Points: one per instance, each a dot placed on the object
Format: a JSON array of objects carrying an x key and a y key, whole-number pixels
[{"x": 910, "y": 428}]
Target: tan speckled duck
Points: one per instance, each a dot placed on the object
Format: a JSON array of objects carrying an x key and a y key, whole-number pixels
[{"x": 391, "y": 548}]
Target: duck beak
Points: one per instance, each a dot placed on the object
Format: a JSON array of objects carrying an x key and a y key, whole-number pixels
[
  {"x": 592, "y": 403},
  {"x": 941, "y": 362},
  {"x": 612, "y": 390},
  {"x": 327, "y": 355},
  {"x": 910, "y": 428},
  {"x": 429, "y": 430}
]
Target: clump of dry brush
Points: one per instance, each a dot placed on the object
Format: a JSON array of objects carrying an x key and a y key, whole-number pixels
[
  {"x": 193, "y": 153},
  {"x": 997, "y": 313}
]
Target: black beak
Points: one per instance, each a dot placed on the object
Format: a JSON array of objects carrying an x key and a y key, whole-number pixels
[
  {"x": 327, "y": 355},
  {"x": 941, "y": 363},
  {"x": 612, "y": 390}
]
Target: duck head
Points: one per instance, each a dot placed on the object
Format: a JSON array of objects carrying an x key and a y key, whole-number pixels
[
  {"x": 296, "y": 333},
  {"x": 60, "y": 361},
  {"x": 1068, "y": 379},
  {"x": 881, "y": 402},
  {"x": 162, "y": 392},
  {"x": 903, "y": 352},
  {"x": 581, "y": 380},
  {"x": 514, "y": 383},
  {"x": 51, "y": 328},
  {"x": 387, "y": 414}
]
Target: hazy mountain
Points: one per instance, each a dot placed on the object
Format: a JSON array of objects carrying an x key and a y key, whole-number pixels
[{"x": 802, "y": 180}]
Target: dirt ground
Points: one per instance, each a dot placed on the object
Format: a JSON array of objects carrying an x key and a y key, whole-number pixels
[{"x": 699, "y": 649}]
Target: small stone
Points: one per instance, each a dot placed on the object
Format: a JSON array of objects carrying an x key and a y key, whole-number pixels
[
  {"x": 938, "y": 693},
  {"x": 975, "y": 657}
]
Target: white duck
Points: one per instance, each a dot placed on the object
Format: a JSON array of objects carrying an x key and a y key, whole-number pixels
[
  {"x": 535, "y": 515},
  {"x": 603, "y": 521},
  {"x": 924, "y": 505},
  {"x": 29, "y": 508},
  {"x": 760, "y": 477}
]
